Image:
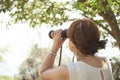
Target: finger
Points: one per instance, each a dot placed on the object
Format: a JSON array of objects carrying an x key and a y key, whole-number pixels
[{"x": 58, "y": 32}]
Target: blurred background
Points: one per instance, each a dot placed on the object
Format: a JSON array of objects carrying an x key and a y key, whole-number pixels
[{"x": 25, "y": 24}]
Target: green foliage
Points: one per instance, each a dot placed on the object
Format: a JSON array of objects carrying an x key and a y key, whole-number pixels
[
  {"x": 38, "y": 12},
  {"x": 85, "y": 7},
  {"x": 116, "y": 68},
  {"x": 1, "y": 59},
  {"x": 5, "y": 5},
  {"x": 91, "y": 8},
  {"x": 29, "y": 68},
  {"x": 6, "y": 78},
  {"x": 3, "y": 51}
]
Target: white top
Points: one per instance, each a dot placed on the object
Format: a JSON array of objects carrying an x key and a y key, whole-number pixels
[{"x": 83, "y": 71}]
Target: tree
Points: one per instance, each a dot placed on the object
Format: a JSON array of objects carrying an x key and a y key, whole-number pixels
[
  {"x": 116, "y": 68},
  {"x": 2, "y": 52},
  {"x": 109, "y": 10},
  {"x": 106, "y": 13},
  {"x": 29, "y": 68},
  {"x": 37, "y": 12}
]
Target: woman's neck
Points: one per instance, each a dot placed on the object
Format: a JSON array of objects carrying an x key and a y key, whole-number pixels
[{"x": 82, "y": 57}]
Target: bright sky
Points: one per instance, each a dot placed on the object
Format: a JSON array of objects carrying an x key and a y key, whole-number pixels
[{"x": 20, "y": 37}]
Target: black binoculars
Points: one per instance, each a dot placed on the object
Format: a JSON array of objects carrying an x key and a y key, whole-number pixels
[{"x": 63, "y": 34}]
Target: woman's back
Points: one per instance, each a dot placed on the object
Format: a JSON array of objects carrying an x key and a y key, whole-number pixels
[
  {"x": 83, "y": 71},
  {"x": 84, "y": 42}
]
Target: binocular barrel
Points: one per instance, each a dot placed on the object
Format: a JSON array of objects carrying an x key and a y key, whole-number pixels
[{"x": 63, "y": 34}]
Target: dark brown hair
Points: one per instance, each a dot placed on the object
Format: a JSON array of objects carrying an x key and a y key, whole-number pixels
[{"x": 85, "y": 35}]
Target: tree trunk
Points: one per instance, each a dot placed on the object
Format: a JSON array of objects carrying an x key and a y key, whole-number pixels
[{"x": 110, "y": 18}]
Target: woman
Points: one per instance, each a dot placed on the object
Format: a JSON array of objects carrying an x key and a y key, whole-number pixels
[{"x": 84, "y": 42}]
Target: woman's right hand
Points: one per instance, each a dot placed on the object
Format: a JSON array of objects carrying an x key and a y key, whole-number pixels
[{"x": 57, "y": 40}]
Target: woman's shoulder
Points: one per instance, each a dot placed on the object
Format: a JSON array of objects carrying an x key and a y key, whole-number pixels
[
  {"x": 98, "y": 62},
  {"x": 106, "y": 59}
]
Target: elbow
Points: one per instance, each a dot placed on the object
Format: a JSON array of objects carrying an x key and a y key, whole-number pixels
[{"x": 41, "y": 74}]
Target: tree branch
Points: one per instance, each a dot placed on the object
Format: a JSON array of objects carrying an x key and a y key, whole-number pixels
[
  {"x": 109, "y": 17},
  {"x": 105, "y": 28}
]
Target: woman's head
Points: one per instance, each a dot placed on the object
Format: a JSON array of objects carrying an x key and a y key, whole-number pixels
[{"x": 85, "y": 36}]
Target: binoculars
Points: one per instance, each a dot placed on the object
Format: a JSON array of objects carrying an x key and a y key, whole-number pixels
[{"x": 63, "y": 34}]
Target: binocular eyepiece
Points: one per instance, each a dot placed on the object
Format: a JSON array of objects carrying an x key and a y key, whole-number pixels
[{"x": 63, "y": 34}]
